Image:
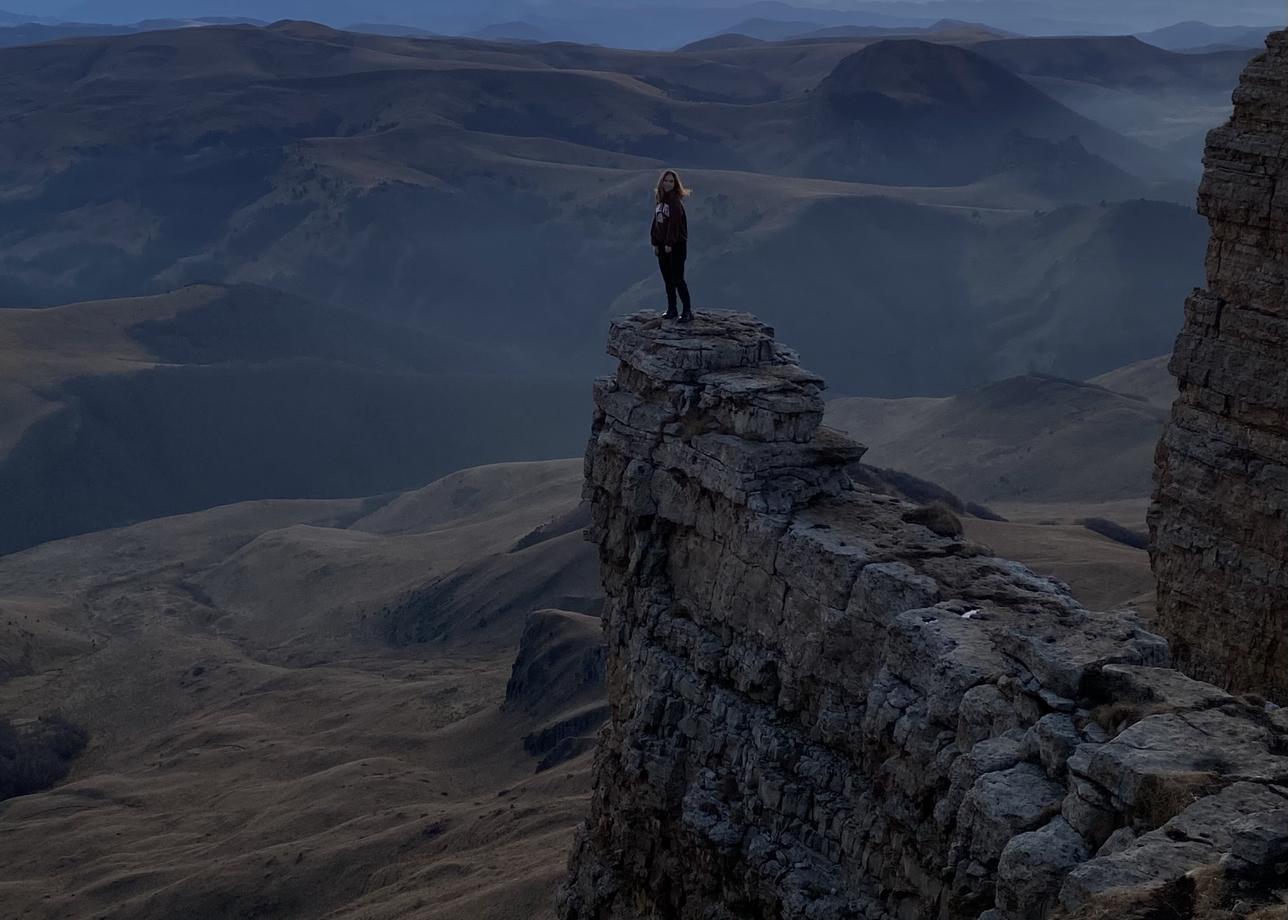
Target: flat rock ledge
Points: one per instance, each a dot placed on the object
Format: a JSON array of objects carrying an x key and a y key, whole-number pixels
[{"x": 821, "y": 710}]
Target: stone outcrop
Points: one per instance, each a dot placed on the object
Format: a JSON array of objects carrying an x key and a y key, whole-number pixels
[
  {"x": 822, "y": 709},
  {"x": 1220, "y": 514}
]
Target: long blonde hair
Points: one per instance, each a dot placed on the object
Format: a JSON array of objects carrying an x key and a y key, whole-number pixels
[{"x": 680, "y": 191}]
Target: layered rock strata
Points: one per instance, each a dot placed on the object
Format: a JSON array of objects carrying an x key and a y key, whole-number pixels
[
  {"x": 819, "y": 709},
  {"x": 1220, "y": 514}
]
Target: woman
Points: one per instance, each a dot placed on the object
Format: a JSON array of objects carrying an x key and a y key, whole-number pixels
[{"x": 670, "y": 237}]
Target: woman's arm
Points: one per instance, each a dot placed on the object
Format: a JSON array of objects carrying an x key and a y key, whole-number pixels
[{"x": 674, "y": 223}]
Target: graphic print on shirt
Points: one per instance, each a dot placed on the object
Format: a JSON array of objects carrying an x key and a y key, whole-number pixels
[{"x": 663, "y": 212}]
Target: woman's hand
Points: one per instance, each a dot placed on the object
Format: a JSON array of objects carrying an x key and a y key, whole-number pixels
[
  {"x": 655, "y": 250},
  {"x": 668, "y": 248}
]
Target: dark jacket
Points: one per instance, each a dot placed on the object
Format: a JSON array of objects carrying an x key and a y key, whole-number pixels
[{"x": 670, "y": 224}]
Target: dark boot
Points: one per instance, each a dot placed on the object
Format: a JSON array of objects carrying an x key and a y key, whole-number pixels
[
  {"x": 686, "y": 316},
  {"x": 670, "y": 313}
]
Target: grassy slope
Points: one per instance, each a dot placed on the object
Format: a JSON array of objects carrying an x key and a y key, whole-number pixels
[
  {"x": 1025, "y": 439},
  {"x": 277, "y": 757},
  {"x": 1148, "y": 379}
]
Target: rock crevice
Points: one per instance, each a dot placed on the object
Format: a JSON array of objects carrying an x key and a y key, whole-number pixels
[{"x": 819, "y": 709}]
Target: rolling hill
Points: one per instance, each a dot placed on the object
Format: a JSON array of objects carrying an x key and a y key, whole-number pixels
[
  {"x": 901, "y": 103},
  {"x": 369, "y": 260},
  {"x": 1192, "y": 35},
  {"x": 1027, "y": 439},
  {"x": 278, "y": 756},
  {"x": 328, "y": 164},
  {"x": 385, "y": 28},
  {"x": 1148, "y": 379},
  {"x": 724, "y": 41},
  {"x": 766, "y": 29},
  {"x": 1054, "y": 458},
  {"x": 23, "y": 32}
]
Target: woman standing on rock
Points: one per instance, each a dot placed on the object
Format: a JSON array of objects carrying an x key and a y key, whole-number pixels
[{"x": 670, "y": 237}]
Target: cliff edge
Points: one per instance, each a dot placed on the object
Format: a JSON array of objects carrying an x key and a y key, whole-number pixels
[
  {"x": 821, "y": 708},
  {"x": 1220, "y": 514}
]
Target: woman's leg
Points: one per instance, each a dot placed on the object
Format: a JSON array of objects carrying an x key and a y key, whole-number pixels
[
  {"x": 666, "y": 263},
  {"x": 678, "y": 256}
]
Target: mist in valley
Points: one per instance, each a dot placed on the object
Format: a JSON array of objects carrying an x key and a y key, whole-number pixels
[
  {"x": 300, "y": 310},
  {"x": 485, "y": 201}
]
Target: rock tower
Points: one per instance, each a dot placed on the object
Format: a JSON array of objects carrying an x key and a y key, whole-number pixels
[
  {"x": 822, "y": 709},
  {"x": 1220, "y": 515}
]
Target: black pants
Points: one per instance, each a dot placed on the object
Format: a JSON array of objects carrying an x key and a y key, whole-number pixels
[{"x": 672, "y": 265}]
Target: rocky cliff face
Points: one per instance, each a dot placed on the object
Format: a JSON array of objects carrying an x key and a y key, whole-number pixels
[
  {"x": 821, "y": 708},
  {"x": 1220, "y": 515}
]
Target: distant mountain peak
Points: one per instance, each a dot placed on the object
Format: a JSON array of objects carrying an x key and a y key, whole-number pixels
[
  {"x": 303, "y": 28},
  {"x": 912, "y": 70},
  {"x": 722, "y": 42},
  {"x": 1193, "y": 35}
]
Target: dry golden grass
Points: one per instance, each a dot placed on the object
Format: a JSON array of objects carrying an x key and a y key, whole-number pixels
[
  {"x": 257, "y": 748},
  {"x": 42, "y": 348},
  {"x": 1101, "y": 573}
]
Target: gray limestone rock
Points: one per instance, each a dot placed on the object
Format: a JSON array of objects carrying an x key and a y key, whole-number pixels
[
  {"x": 1003, "y": 804},
  {"x": 1219, "y": 518},
  {"x": 1118, "y": 841},
  {"x": 1260, "y": 840},
  {"x": 886, "y": 589},
  {"x": 1152, "y": 865},
  {"x": 1155, "y": 768},
  {"x": 1033, "y": 865},
  {"x": 1063, "y": 658},
  {"x": 820, "y": 710},
  {"x": 1150, "y": 688},
  {"x": 1056, "y": 737},
  {"x": 985, "y": 711}
]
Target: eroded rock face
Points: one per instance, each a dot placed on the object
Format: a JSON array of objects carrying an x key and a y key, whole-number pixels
[
  {"x": 819, "y": 709},
  {"x": 1220, "y": 515}
]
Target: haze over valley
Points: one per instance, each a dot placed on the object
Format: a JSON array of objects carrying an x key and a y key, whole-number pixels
[{"x": 486, "y": 201}]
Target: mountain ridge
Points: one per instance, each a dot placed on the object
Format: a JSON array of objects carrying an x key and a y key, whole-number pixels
[{"x": 332, "y": 173}]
